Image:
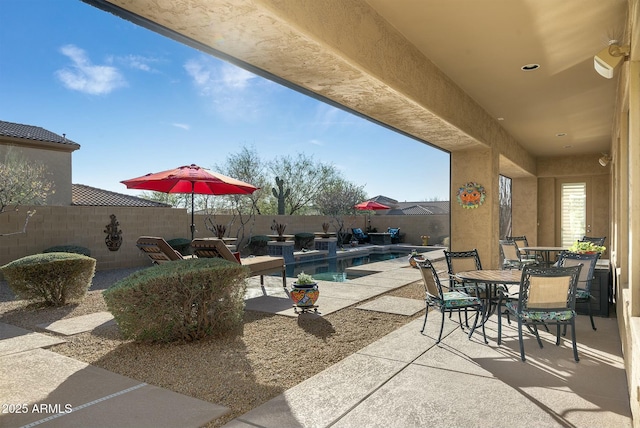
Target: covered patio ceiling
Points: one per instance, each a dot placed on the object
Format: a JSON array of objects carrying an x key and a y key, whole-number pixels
[{"x": 448, "y": 73}]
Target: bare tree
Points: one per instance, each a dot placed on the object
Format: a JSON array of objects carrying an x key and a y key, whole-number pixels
[
  {"x": 337, "y": 199},
  {"x": 245, "y": 166},
  {"x": 22, "y": 183},
  {"x": 305, "y": 179}
]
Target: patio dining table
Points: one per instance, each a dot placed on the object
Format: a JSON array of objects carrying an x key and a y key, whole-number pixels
[{"x": 492, "y": 278}]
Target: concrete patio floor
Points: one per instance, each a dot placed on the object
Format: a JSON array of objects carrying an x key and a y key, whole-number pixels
[
  {"x": 402, "y": 380},
  {"x": 406, "y": 380}
]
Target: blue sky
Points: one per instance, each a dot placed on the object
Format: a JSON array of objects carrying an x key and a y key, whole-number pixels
[{"x": 138, "y": 102}]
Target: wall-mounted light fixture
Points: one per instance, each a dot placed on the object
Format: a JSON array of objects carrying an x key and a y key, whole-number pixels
[
  {"x": 604, "y": 159},
  {"x": 608, "y": 59}
]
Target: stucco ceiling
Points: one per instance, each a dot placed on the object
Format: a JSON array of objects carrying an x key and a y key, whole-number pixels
[{"x": 479, "y": 46}]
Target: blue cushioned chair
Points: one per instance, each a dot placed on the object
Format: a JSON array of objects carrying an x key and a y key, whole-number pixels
[
  {"x": 395, "y": 234},
  {"x": 360, "y": 235},
  {"x": 547, "y": 296}
]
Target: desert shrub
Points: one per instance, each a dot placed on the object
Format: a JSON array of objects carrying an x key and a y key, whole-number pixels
[
  {"x": 258, "y": 245},
  {"x": 304, "y": 240},
  {"x": 180, "y": 300},
  {"x": 56, "y": 278},
  {"x": 77, "y": 249},
  {"x": 181, "y": 245}
]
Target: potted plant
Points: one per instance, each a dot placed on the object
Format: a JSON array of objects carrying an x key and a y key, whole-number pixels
[
  {"x": 414, "y": 258},
  {"x": 586, "y": 247},
  {"x": 325, "y": 229},
  {"x": 305, "y": 291},
  {"x": 279, "y": 229}
]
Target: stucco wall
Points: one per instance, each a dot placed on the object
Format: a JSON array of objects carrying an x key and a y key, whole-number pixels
[
  {"x": 57, "y": 163},
  {"x": 524, "y": 211}
]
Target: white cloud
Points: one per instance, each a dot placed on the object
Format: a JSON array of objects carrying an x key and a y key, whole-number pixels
[
  {"x": 316, "y": 142},
  {"x": 83, "y": 76},
  {"x": 228, "y": 87},
  {"x": 139, "y": 62},
  {"x": 182, "y": 125}
]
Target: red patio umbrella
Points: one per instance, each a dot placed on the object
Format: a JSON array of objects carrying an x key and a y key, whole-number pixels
[
  {"x": 370, "y": 206},
  {"x": 190, "y": 179}
]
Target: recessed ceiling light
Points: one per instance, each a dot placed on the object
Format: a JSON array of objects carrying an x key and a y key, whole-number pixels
[
  {"x": 530, "y": 67},
  {"x": 501, "y": 118},
  {"x": 568, "y": 146},
  {"x": 561, "y": 134}
]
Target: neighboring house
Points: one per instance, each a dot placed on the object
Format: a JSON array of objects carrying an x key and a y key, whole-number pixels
[
  {"x": 91, "y": 196},
  {"x": 37, "y": 144},
  {"x": 412, "y": 208}
]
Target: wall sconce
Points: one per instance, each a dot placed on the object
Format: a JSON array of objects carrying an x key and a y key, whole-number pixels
[
  {"x": 604, "y": 159},
  {"x": 608, "y": 59}
]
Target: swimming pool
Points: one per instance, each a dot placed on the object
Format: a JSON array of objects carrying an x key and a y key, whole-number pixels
[{"x": 334, "y": 269}]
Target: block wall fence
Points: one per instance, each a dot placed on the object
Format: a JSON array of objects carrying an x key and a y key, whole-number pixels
[{"x": 86, "y": 226}]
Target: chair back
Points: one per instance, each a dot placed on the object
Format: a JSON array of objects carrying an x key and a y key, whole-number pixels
[
  {"x": 358, "y": 233},
  {"x": 157, "y": 249},
  {"x": 430, "y": 279},
  {"x": 588, "y": 262},
  {"x": 509, "y": 252},
  {"x": 394, "y": 232},
  {"x": 520, "y": 240},
  {"x": 548, "y": 289},
  {"x": 211, "y": 248},
  {"x": 461, "y": 261},
  {"x": 595, "y": 239}
]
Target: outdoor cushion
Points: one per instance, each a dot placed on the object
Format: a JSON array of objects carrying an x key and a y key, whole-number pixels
[
  {"x": 394, "y": 231},
  {"x": 533, "y": 315},
  {"x": 358, "y": 233},
  {"x": 456, "y": 299}
]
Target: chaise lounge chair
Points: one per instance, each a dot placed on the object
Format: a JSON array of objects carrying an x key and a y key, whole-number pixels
[
  {"x": 158, "y": 250},
  {"x": 259, "y": 265}
]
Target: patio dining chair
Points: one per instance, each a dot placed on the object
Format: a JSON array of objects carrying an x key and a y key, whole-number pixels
[
  {"x": 523, "y": 242},
  {"x": 447, "y": 301},
  {"x": 461, "y": 261},
  {"x": 583, "y": 292},
  {"x": 396, "y": 238},
  {"x": 598, "y": 240},
  {"x": 547, "y": 296},
  {"x": 511, "y": 256}
]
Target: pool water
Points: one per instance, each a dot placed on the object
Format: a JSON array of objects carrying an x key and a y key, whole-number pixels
[{"x": 335, "y": 269}]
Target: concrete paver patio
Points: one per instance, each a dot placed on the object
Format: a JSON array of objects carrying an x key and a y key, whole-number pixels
[{"x": 401, "y": 380}]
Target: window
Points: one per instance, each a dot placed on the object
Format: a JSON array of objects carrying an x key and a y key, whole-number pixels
[
  {"x": 574, "y": 212},
  {"x": 505, "y": 206}
]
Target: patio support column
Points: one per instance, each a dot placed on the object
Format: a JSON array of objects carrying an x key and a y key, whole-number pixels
[
  {"x": 476, "y": 227},
  {"x": 634, "y": 187}
]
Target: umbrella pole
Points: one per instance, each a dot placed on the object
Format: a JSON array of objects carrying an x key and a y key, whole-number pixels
[{"x": 193, "y": 225}]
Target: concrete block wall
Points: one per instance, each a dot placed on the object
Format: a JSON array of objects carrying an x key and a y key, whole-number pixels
[{"x": 85, "y": 226}]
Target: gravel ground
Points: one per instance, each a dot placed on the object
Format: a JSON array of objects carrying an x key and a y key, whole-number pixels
[{"x": 239, "y": 372}]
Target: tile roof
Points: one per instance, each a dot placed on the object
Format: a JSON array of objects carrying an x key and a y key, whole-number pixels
[
  {"x": 36, "y": 133},
  {"x": 90, "y": 196},
  {"x": 412, "y": 208}
]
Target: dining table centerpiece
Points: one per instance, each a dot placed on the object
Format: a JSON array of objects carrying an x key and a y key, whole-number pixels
[{"x": 586, "y": 247}]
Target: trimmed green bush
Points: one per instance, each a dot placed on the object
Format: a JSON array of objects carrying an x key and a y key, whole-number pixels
[
  {"x": 77, "y": 249},
  {"x": 180, "y": 300},
  {"x": 56, "y": 278},
  {"x": 258, "y": 245},
  {"x": 181, "y": 245},
  {"x": 304, "y": 240}
]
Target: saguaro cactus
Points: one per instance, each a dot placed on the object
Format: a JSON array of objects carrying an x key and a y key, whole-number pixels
[{"x": 280, "y": 194}]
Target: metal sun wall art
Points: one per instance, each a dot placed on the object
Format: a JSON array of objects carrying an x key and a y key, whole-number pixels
[{"x": 471, "y": 195}]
